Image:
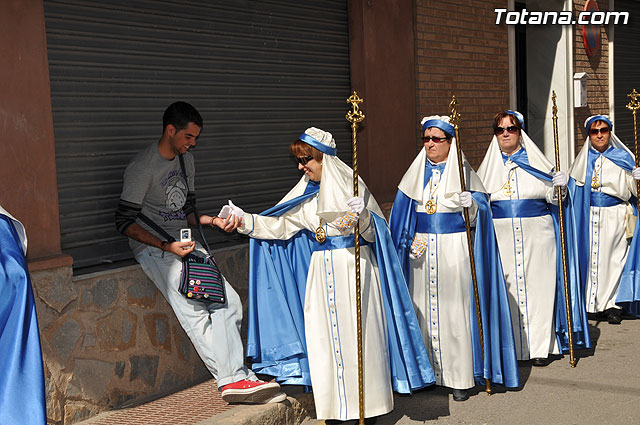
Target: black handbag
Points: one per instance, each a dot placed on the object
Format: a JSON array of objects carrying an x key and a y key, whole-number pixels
[{"x": 200, "y": 278}]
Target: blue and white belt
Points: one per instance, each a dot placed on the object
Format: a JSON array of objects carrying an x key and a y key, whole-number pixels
[
  {"x": 519, "y": 208},
  {"x": 600, "y": 199},
  {"x": 440, "y": 223},
  {"x": 336, "y": 242}
]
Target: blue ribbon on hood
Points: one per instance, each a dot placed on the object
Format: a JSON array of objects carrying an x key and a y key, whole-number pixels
[
  {"x": 500, "y": 365},
  {"x": 276, "y": 340},
  {"x": 629, "y": 288},
  {"x": 22, "y": 398}
]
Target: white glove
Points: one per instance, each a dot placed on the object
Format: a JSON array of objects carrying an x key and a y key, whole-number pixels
[
  {"x": 636, "y": 173},
  {"x": 236, "y": 210},
  {"x": 225, "y": 211},
  {"x": 465, "y": 199},
  {"x": 231, "y": 209},
  {"x": 356, "y": 204},
  {"x": 561, "y": 179}
]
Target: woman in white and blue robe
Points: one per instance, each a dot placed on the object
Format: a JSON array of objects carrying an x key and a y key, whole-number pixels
[
  {"x": 518, "y": 177},
  {"x": 302, "y": 317},
  {"x": 603, "y": 186},
  {"x": 428, "y": 230}
]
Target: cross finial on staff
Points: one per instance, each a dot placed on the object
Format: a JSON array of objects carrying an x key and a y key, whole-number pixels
[
  {"x": 356, "y": 114},
  {"x": 634, "y": 103},
  {"x": 454, "y": 118}
]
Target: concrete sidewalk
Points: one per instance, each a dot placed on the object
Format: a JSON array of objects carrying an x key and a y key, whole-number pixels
[{"x": 604, "y": 388}]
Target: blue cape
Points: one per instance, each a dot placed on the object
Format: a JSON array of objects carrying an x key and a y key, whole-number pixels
[
  {"x": 579, "y": 321},
  {"x": 22, "y": 399},
  {"x": 500, "y": 365},
  {"x": 276, "y": 341},
  {"x": 629, "y": 289}
]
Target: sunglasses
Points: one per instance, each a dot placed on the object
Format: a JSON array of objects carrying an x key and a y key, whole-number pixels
[
  {"x": 603, "y": 130},
  {"x": 304, "y": 159},
  {"x": 512, "y": 129},
  {"x": 428, "y": 139}
]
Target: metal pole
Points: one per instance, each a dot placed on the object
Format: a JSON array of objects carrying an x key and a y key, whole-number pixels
[
  {"x": 354, "y": 117},
  {"x": 567, "y": 295},
  {"x": 633, "y": 106},
  {"x": 455, "y": 120}
]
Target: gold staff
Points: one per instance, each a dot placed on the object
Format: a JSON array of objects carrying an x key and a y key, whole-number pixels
[
  {"x": 454, "y": 120},
  {"x": 567, "y": 296},
  {"x": 633, "y": 106},
  {"x": 354, "y": 117}
]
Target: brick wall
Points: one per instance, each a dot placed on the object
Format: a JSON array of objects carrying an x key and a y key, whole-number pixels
[
  {"x": 460, "y": 50},
  {"x": 597, "y": 67}
]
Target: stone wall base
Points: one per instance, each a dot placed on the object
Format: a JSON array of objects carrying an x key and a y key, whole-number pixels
[{"x": 110, "y": 340}]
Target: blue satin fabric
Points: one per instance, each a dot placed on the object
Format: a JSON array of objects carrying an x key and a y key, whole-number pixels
[
  {"x": 428, "y": 170},
  {"x": 587, "y": 126},
  {"x": 444, "y": 126},
  {"x": 336, "y": 242},
  {"x": 22, "y": 398},
  {"x": 601, "y": 199},
  {"x": 519, "y": 208},
  {"x": 276, "y": 341},
  {"x": 521, "y": 159},
  {"x": 318, "y": 145},
  {"x": 629, "y": 288},
  {"x": 500, "y": 365},
  {"x": 580, "y": 324},
  {"x": 440, "y": 223}
]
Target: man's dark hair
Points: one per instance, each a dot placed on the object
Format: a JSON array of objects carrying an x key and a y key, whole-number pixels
[{"x": 180, "y": 114}]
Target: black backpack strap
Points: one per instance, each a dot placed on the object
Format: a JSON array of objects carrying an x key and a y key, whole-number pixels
[{"x": 195, "y": 208}]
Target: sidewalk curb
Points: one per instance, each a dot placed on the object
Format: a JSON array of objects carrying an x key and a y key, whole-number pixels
[{"x": 293, "y": 411}]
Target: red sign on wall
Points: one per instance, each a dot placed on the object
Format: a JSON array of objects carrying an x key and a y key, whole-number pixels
[{"x": 591, "y": 33}]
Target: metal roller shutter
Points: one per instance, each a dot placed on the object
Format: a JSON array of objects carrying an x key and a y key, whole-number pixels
[
  {"x": 259, "y": 72},
  {"x": 626, "y": 65}
]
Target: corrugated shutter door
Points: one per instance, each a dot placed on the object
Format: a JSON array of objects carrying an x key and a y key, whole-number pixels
[
  {"x": 259, "y": 72},
  {"x": 626, "y": 65}
]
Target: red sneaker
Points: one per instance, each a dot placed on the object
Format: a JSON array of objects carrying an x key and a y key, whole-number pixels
[{"x": 247, "y": 391}]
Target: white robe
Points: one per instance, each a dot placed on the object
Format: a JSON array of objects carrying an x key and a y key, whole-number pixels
[
  {"x": 528, "y": 252},
  {"x": 330, "y": 316},
  {"x": 440, "y": 288},
  {"x": 607, "y": 242}
]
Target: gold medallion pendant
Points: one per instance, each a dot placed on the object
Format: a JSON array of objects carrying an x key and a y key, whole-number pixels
[
  {"x": 595, "y": 182},
  {"x": 321, "y": 234},
  {"x": 430, "y": 206},
  {"x": 507, "y": 189}
]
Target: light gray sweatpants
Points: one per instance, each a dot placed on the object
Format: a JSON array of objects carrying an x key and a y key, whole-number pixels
[{"x": 214, "y": 329}]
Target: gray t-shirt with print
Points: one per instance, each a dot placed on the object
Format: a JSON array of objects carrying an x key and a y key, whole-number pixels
[{"x": 159, "y": 187}]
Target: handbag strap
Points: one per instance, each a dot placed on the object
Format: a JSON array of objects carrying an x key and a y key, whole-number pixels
[
  {"x": 157, "y": 228},
  {"x": 195, "y": 208}
]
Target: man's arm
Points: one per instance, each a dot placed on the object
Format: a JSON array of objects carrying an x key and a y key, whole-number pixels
[
  {"x": 137, "y": 232},
  {"x": 229, "y": 224},
  {"x": 125, "y": 222}
]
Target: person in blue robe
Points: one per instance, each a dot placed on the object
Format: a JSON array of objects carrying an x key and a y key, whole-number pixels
[
  {"x": 526, "y": 221},
  {"x": 428, "y": 232},
  {"x": 302, "y": 326},
  {"x": 22, "y": 398},
  {"x": 603, "y": 187}
]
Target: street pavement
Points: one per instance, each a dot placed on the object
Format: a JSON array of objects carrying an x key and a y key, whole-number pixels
[{"x": 603, "y": 388}]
